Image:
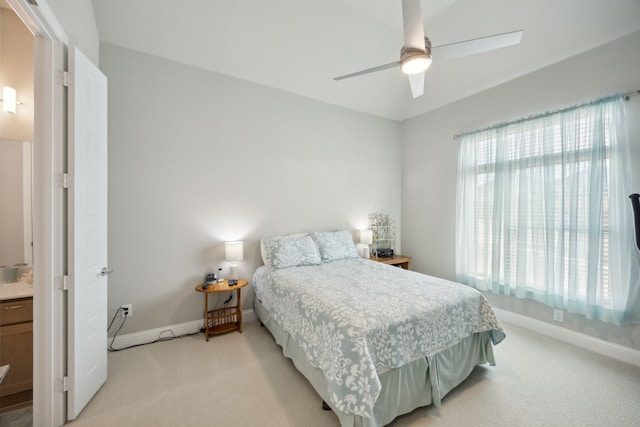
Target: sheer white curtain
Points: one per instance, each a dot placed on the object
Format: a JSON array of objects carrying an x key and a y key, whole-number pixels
[{"x": 543, "y": 212}]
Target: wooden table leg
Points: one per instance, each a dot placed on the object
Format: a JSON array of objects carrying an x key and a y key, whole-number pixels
[
  {"x": 206, "y": 316},
  {"x": 239, "y": 304}
]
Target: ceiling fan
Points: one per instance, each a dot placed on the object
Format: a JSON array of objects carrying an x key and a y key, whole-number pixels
[{"x": 415, "y": 55}]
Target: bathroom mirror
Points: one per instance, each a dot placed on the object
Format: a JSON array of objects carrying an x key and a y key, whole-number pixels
[{"x": 16, "y": 196}]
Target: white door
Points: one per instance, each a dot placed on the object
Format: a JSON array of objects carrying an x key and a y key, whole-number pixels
[{"x": 87, "y": 232}]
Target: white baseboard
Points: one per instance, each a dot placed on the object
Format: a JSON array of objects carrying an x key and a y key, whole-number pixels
[
  {"x": 615, "y": 351},
  {"x": 150, "y": 335}
]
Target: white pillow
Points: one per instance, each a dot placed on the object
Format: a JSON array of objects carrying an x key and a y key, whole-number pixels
[
  {"x": 335, "y": 245},
  {"x": 289, "y": 251}
]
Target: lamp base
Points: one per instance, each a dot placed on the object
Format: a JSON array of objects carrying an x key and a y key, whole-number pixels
[
  {"x": 364, "y": 251},
  {"x": 233, "y": 274}
]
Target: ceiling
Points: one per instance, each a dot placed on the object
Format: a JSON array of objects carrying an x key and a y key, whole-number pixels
[{"x": 299, "y": 45}]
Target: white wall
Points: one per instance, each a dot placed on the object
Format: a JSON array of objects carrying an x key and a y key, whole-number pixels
[
  {"x": 430, "y": 154},
  {"x": 79, "y": 25},
  {"x": 16, "y": 71},
  {"x": 198, "y": 158}
]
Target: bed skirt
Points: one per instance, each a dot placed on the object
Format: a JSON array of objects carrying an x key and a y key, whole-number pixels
[{"x": 419, "y": 383}]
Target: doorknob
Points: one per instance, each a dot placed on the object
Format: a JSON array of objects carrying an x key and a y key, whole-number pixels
[{"x": 105, "y": 271}]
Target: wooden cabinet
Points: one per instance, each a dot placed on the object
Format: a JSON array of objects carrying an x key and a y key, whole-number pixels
[{"x": 16, "y": 350}]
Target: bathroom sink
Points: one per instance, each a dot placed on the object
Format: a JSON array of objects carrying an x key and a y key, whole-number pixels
[{"x": 15, "y": 290}]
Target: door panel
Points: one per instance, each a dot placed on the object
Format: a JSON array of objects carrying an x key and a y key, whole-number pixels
[{"x": 87, "y": 228}]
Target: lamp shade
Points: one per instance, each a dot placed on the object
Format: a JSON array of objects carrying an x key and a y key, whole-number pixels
[
  {"x": 366, "y": 237},
  {"x": 233, "y": 251}
]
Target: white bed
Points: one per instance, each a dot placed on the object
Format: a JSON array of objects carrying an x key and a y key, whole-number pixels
[{"x": 374, "y": 340}]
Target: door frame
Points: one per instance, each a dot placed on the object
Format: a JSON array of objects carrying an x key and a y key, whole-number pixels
[{"x": 49, "y": 327}]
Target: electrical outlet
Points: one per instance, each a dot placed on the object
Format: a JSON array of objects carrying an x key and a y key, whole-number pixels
[
  {"x": 127, "y": 310},
  {"x": 558, "y": 315}
]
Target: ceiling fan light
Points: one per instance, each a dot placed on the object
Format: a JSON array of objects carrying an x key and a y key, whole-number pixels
[{"x": 416, "y": 63}]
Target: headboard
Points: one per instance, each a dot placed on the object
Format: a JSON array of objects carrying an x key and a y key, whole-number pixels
[{"x": 635, "y": 203}]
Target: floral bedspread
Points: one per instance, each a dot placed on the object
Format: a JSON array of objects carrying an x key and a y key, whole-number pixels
[{"x": 355, "y": 318}]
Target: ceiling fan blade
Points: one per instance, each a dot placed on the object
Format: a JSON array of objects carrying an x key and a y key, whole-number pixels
[
  {"x": 471, "y": 47},
  {"x": 413, "y": 24},
  {"x": 434, "y": 8},
  {"x": 369, "y": 70},
  {"x": 417, "y": 84}
]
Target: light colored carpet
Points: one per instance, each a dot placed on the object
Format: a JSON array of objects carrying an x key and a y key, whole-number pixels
[{"x": 244, "y": 380}]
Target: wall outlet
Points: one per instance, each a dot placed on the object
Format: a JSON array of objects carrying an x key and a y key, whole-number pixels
[
  {"x": 127, "y": 310},
  {"x": 558, "y": 315}
]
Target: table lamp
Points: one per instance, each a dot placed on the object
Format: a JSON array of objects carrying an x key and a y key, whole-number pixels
[{"x": 233, "y": 252}]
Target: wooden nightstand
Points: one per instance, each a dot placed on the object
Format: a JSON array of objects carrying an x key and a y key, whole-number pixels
[
  {"x": 225, "y": 319},
  {"x": 397, "y": 260}
]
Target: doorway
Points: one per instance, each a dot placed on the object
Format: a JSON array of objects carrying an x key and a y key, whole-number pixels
[
  {"x": 48, "y": 211},
  {"x": 16, "y": 224}
]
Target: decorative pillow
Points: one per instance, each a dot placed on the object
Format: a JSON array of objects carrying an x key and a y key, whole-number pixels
[
  {"x": 263, "y": 252},
  {"x": 335, "y": 245},
  {"x": 289, "y": 251}
]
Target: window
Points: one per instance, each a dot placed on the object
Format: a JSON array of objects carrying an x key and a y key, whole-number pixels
[{"x": 538, "y": 203}]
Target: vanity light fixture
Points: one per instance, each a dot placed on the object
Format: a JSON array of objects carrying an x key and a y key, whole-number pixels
[
  {"x": 233, "y": 252},
  {"x": 9, "y": 100}
]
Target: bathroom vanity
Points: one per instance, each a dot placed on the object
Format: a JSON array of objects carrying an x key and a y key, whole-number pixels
[{"x": 16, "y": 345}]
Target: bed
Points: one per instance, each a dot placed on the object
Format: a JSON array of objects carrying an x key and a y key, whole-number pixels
[{"x": 374, "y": 340}]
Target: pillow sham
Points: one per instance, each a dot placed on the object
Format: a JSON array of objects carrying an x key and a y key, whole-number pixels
[
  {"x": 335, "y": 245},
  {"x": 289, "y": 251},
  {"x": 263, "y": 252}
]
